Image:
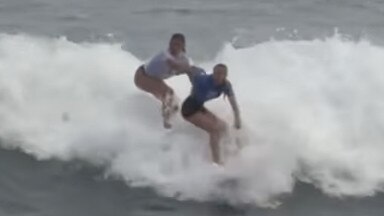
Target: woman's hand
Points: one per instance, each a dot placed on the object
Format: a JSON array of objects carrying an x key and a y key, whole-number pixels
[
  {"x": 237, "y": 122},
  {"x": 236, "y": 112}
]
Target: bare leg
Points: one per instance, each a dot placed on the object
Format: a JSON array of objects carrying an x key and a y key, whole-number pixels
[
  {"x": 214, "y": 126},
  {"x": 214, "y": 142},
  {"x": 156, "y": 87},
  {"x": 160, "y": 90}
]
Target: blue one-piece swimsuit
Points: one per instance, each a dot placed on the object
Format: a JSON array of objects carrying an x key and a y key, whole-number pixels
[{"x": 203, "y": 90}]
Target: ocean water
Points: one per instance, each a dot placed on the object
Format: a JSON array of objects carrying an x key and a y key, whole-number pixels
[{"x": 78, "y": 138}]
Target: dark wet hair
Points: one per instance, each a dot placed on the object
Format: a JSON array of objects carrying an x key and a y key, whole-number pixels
[
  {"x": 221, "y": 65},
  {"x": 178, "y": 36}
]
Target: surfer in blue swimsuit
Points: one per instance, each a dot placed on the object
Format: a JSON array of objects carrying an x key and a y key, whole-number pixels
[{"x": 206, "y": 87}]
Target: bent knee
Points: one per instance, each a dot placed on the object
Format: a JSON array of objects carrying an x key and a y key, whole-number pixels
[{"x": 219, "y": 127}]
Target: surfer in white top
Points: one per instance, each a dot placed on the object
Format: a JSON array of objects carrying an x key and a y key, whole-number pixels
[{"x": 150, "y": 76}]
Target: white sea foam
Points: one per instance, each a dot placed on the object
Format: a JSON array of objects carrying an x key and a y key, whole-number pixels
[{"x": 312, "y": 111}]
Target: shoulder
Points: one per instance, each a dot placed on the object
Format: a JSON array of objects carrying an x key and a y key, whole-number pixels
[
  {"x": 166, "y": 54},
  {"x": 196, "y": 71},
  {"x": 183, "y": 57},
  {"x": 200, "y": 78},
  {"x": 162, "y": 55},
  {"x": 228, "y": 84},
  {"x": 228, "y": 88}
]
